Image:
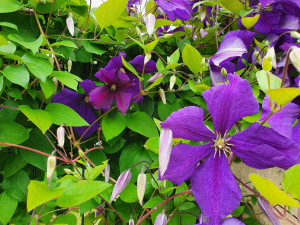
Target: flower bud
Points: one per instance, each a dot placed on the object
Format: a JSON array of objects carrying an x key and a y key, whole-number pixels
[
  {"x": 172, "y": 82},
  {"x": 68, "y": 171},
  {"x": 154, "y": 77},
  {"x": 266, "y": 209},
  {"x": 161, "y": 219},
  {"x": 295, "y": 34},
  {"x": 150, "y": 22},
  {"x": 203, "y": 33},
  {"x": 69, "y": 65},
  {"x": 81, "y": 153},
  {"x": 141, "y": 186},
  {"x": 147, "y": 58},
  {"x": 162, "y": 95},
  {"x": 106, "y": 172},
  {"x": 203, "y": 219},
  {"x": 295, "y": 58},
  {"x": 131, "y": 222},
  {"x": 165, "y": 147},
  {"x": 54, "y": 79},
  {"x": 51, "y": 165},
  {"x": 271, "y": 57},
  {"x": 202, "y": 13},
  {"x": 70, "y": 24},
  {"x": 60, "y": 136},
  {"x": 122, "y": 182},
  {"x": 223, "y": 71}
]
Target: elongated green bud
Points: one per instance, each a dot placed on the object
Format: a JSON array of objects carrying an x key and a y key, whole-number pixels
[
  {"x": 172, "y": 82},
  {"x": 69, "y": 65},
  {"x": 107, "y": 172},
  {"x": 162, "y": 95},
  {"x": 51, "y": 165},
  {"x": 60, "y": 136},
  {"x": 141, "y": 186}
]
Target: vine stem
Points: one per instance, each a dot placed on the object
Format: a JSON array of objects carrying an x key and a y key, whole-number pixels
[{"x": 160, "y": 204}]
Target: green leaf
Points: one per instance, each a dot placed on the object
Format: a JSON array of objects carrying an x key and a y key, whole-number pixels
[
  {"x": 48, "y": 87},
  {"x": 67, "y": 79},
  {"x": 291, "y": 181},
  {"x": 3, "y": 41},
  {"x": 109, "y": 11},
  {"x": 174, "y": 57},
  {"x": 250, "y": 21},
  {"x": 41, "y": 68},
  {"x": 15, "y": 93},
  {"x": 150, "y": 46},
  {"x": 39, "y": 117},
  {"x": 7, "y": 24},
  {"x": 198, "y": 88},
  {"x": 17, "y": 75},
  {"x": 8, "y": 206},
  {"x": 95, "y": 172},
  {"x": 93, "y": 48},
  {"x": 156, "y": 82},
  {"x": 283, "y": 96},
  {"x": 11, "y": 132},
  {"x": 152, "y": 144},
  {"x": 7, "y": 6},
  {"x": 267, "y": 66},
  {"x": 234, "y": 6},
  {"x": 271, "y": 192},
  {"x": 129, "y": 194},
  {"x": 131, "y": 68},
  {"x": 39, "y": 193},
  {"x": 16, "y": 185},
  {"x": 64, "y": 43},
  {"x": 264, "y": 77},
  {"x": 8, "y": 49},
  {"x": 32, "y": 45},
  {"x": 113, "y": 124},
  {"x": 64, "y": 114},
  {"x": 192, "y": 58},
  {"x": 80, "y": 192},
  {"x": 14, "y": 164},
  {"x": 142, "y": 123}
]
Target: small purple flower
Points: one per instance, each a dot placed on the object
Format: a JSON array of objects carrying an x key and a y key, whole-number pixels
[
  {"x": 118, "y": 87},
  {"x": 176, "y": 9},
  {"x": 121, "y": 184},
  {"x": 212, "y": 181},
  {"x": 161, "y": 219},
  {"x": 80, "y": 103}
]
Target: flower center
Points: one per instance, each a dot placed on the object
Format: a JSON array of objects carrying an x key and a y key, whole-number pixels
[
  {"x": 221, "y": 144},
  {"x": 86, "y": 99},
  {"x": 113, "y": 87}
]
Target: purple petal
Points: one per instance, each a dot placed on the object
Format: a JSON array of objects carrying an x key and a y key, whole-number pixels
[
  {"x": 68, "y": 97},
  {"x": 296, "y": 133},
  {"x": 184, "y": 160},
  {"x": 215, "y": 72},
  {"x": 115, "y": 62},
  {"x": 266, "y": 209},
  {"x": 227, "y": 103},
  {"x": 88, "y": 86},
  {"x": 176, "y": 9},
  {"x": 135, "y": 91},
  {"x": 86, "y": 111},
  {"x": 245, "y": 35},
  {"x": 108, "y": 76},
  {"x": 187, "y": 123},
  {"x": 215, "y": 189},
  {"x": 122, "y": 100},
  {"x": 232, "y": 221},
  {"x": 282, "y": 121},
  {"x": 262, "y": 147},
  {"x": 138, "y": 64},
  {"x": 101, "y": 97}
]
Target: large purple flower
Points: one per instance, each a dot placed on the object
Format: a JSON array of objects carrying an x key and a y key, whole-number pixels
[
  {"x": 118, "y": 86},
  {"x": 80, "y": 103},
  {"x": 213, "y": 184},
  {"x": 176, "y": 9}
]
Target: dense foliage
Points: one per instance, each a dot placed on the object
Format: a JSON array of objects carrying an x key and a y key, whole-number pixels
[{"x": 133, "y": 111}]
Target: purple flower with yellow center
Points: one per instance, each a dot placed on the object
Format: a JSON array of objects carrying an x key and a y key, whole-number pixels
[
  {"x": 176, "y": 9},
  {"x": 80, "y": 103},
  {"x": 118, "y": 86},
  {"x": 213, "y": 184}
]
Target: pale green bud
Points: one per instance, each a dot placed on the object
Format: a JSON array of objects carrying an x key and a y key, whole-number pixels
[
  {"x": 60, "y": 136},
  {"x": 51, "y": 165},
  {"x": 141, "y": 186},
  {"x": 295, "y": 34},
  {"x": 295, "y": 58},
  {"x": 162, "y": 95},
  {"x": 172, "y": 82},
  {"x": 68, "y": 171},
  {"x": 69, "y": 65},
  {"x": 223, "y": 71}
]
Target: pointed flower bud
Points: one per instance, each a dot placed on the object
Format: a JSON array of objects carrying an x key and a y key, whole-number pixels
[
  {"x": 150, "y": 22},
  {"x": 122, "y": 182},
  {"x": 271, "y": 57},
  {"x": 165, "y": 147},
  {"x": 51, "y": 165},
  {"x": 69, "y": 65},
  {"x": 295, "y": 34},
  {"x": 172, "y": 82},
  {"x": 223, "y": 71},
  {"x": 70, "y": 24},
  {"x": 162, "y": 95},
  {"x": 202, "y": 13},
  {"x": 161, "y": 219},
  {"x": 67, "y": 171},
  {"x": 147, "y": 58},
  {"x": 266, "y": 209},
  {"x": 131, "y": 222},
  {"x": 295, "y": 58},
  {"x": 203, "y": 33},
  {"x": 106, "y": 172},
  {"x": 81, "y": 153},
  {"x": 60, "y": 136},
  {"x": 154, "y": 77},
  {"x": 141, "y": 186}
]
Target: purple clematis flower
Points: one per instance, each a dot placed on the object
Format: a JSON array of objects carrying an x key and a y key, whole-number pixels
[
  {"x": 118, "y": 87},
  {"x": 176, "y": 9},
  {"x": 213, "y": 184},
  {"x": 80, "y": 103}
]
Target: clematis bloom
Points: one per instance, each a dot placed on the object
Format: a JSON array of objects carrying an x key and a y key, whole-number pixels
[
  {"x": 176, "y": 9},
  {"x": 213, "y": 184}
]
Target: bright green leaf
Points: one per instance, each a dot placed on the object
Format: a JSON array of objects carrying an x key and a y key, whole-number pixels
[
  {"x": 80, "y": 192},
  {"x": 267, "y": 66},
  {"x": 17, "y": 75},
  {"x": 198, "y": 88},
  {"x": 250, "y": 21},
  {"x": 64, "y": 43},
  {"x": 142, "y": 123},
  {"x": 39, "y": 193},
  {"x": 7, "y": 6},
  {"x": 48, "y": 87},
  {"x": 67, "y": 79},
  {"x": 113, "y": 124},
  {"x": 283, "y": 96},
  {"x": 32, "y": 45},
  {"x": 39, "y": 117},
  {"x": 155, "y": 83},
  {"x": 234, "y": 6},
  {"x": 131, "y": 68},
  {"x": 150, "y": 46},
  {"x": 264, "y": 78},
  {"x": 3, "y": 41},
  {"x": 192, "y": 58},
  {"x": 93, "y": 48},
  {"x": 7, "y": 24},
  {"x": 109, "y": 11},
  {"x": 95, "y": 172},
  {"x": 271, "y": 192},
  {"x": 11, "y": 132},
  {"x": 291, "y": 181},
  {"x": 129, "y": 194},
  {"x": 8, "y": 206},
  {"x": 152, "y": 144}
]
